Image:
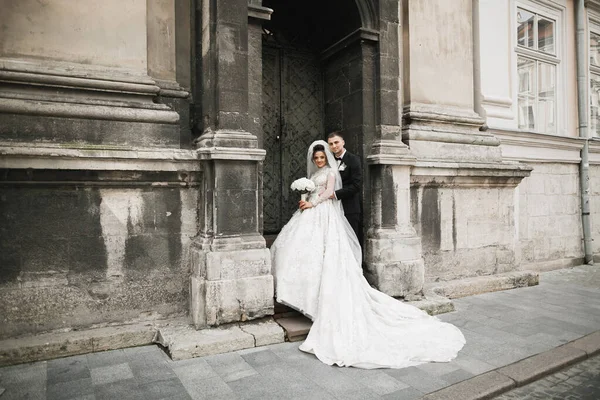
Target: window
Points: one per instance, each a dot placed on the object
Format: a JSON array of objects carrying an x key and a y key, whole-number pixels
[
  {"x": 595, "y": 83},
  {"x": 537, "y": 71}
]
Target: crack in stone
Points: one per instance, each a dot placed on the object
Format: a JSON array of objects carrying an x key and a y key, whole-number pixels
[{"x": 253, "y": 337}]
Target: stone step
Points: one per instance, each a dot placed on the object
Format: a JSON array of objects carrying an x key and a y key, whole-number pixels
[
  {"x": 182, "y": 341},
  {"x": 281, "y": 309},
  {"x": 296, "y": 327},
  {"x": 269, "y": 239},
  {"x": 483, "y": 284}
]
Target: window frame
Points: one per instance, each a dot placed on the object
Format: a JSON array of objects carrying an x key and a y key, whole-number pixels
[
  {"x": 593, "y": 27},
  {"x": 553, "y": 11}
]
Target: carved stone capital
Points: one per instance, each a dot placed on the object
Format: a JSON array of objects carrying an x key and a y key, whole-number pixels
[{"x": 391, "y": 152}]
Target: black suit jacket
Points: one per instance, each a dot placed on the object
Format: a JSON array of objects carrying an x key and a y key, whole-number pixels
[{"x": 351, "y": 175}]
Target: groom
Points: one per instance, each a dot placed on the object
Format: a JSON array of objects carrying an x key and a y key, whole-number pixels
[{"x": 351, "y": 173}]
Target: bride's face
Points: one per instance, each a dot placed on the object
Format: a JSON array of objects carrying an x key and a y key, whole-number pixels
[{"x": 320, "y": 159}]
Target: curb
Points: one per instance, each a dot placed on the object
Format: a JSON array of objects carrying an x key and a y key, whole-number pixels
[{"x": 520, "y": 373}]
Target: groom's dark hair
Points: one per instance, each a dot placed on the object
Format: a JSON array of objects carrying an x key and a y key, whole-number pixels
[{"x": 335, "y": 133}]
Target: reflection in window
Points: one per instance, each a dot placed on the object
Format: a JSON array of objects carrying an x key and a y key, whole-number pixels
[
  {"x": 537, "y": 95},
  {"x": 594, "y": 49},
  {"x": 595, "y": 104},
  {"x": 525, "y": 33},
  {"x": 545, "y": 35},
  {"x": 535, "y": 32}
]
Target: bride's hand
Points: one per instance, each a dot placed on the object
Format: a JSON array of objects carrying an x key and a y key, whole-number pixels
[{"x": 305, "y": 205}]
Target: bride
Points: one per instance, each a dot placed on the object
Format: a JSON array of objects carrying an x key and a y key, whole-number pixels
[{"x": 317, "y": 268}]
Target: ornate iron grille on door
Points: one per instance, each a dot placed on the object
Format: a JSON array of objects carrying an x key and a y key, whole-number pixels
[{"x": 292, "y": 119}]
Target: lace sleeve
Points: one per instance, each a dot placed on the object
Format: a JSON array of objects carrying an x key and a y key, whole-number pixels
[{"x": 328, "y": 189}]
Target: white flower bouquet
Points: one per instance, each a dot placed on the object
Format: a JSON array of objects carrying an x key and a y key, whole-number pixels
[{"x": 303, "y": 186}]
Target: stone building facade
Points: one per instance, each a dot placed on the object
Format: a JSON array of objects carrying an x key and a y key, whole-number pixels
[{"x": 146, "y": 147}]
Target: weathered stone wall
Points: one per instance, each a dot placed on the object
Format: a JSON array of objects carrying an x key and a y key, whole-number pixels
[
  {"x": 465, "y": 231},
  {"x": 549, "y": 217},
  {"x": 110, "y": 33},
  {"x": 343, "y": 96},
  {"x": 440, "y": 37},
  {"x": 79, "y": 250},
  {"x": 595, "y": 208}
]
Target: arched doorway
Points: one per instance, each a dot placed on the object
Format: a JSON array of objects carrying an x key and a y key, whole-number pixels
[{"x": 312, "y": 84}]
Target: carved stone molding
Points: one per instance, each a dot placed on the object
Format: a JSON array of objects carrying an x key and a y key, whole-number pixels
[
  {"x": 593, "y": 5},
  {"x": 56, "y": 89},
  {"x": 447, "y": 174},
  {"x": 538, "y": 147},
  {"x": 23, "y": 156},
  {"x": 259, "y": 12}
]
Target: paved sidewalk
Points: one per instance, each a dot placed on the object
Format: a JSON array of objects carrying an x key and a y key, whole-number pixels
[{"x": 500, "y": 328}]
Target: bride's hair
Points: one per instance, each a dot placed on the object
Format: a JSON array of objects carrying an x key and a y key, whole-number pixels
[{"x": 317, "y": 148}]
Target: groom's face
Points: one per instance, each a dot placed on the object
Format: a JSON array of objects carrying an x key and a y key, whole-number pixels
[{"x": 336, "y": 145}]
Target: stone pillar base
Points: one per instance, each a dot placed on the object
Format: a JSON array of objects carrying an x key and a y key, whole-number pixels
[
  {"x": 392, "y": 248},
  {"x": 230, "y": 285},
  {"x": 394, "y": 262}
]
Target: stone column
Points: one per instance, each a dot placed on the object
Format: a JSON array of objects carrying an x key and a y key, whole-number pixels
[
  {"x": 392, "y": 248},
  {"x": 169, "y": 57},
  {"x": 231, "y": 267},
  {"x": 438, "y": 77}
]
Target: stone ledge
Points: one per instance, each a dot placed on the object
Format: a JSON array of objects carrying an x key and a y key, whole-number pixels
[
  {"x": 159, "y": 114},
  {"x": 484, "y": 284},
  {"x": 62, "y": 344},
  {"x": 182, "y": 341},
  {"x": 177, "y": 335},
  {"x": 22, "y": 155}
]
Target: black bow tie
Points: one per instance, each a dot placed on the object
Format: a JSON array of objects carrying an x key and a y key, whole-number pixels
[{"x": 338, "y": 158}]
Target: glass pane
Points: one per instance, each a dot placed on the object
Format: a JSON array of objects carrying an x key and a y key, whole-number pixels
[
  {"x": 595, "y": 104},
  {"x": 594, "y": 49},
  {"x": 545, "y": 35},
  {"x": 526, "y": 71},
  {"x": 526, "y": 113},
  {"x": 546, "y": 116},
  {"x": 527, "y": 93},
  {"x": 525, "y": 20}
]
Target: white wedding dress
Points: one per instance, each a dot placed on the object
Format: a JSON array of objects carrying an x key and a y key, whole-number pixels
[{"x": 317, "y": 267}]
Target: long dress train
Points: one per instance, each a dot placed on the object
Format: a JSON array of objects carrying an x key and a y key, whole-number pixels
[{"x": 317, "y": 273}]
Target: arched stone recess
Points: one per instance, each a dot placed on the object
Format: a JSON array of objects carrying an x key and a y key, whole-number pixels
[
  {"x": 269, "y": 80},
  {"x": 359, "y": 65}
]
